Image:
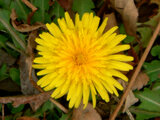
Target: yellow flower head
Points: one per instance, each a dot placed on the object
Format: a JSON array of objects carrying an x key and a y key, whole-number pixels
[{"x": 78, "y": 59}]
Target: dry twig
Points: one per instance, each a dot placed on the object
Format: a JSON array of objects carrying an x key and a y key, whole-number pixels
[
  {"x": 137, "y": 70},
  {"x": 33, "y": 10},
  {"x": 29, "y": 5}
]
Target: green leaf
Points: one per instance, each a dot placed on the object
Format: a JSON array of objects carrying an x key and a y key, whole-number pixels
[
  {"x": 22, "y": 37},
  {"x": 22, "y": 10},
  {"x": 47, "y": 106},
  {"x": 57, "y": 11},
  {"x": 150, "y": 101},
  {"x": 5, "y": 3},
  {"x": 14, "y": 73},
  {"x": 3, "y": 72},
  {"x": 28, "y": 112},
  {"x": 5, "y": 16},
  {"x": 143, "y": 114},
  {"x": 3, "y": 40},
  {"x": 15, "y": 109},
  {"x": 82, "y": 6},
  {"x": 17, "y": 115},
  {"x": 17, "y": 37},
  {"x": 152, "y": 69},
  {"x": 129, "y": 38},
  {"x": 156, "y": 51},
  {"x": 64, "y": 117},
  {"x": 156, "y": 87},
  {"x": 41, "y": 15},
  {"x": 146, "y": 34}
]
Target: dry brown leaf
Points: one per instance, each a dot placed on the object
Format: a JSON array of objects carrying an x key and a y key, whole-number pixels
[
  {"x": 141, "y": 80},
  {"x": 27, "y": 118},
  {"x": 27, "y": 87},
  {"x": 147, "y": 10},
  {"x": 24, "y": 27},
  {"x": 123, "y": 83},
  {"x": 129, "y": 14},
  {"x": 85, "y": 114},
  {"x": 36, "y": 100},
  {"x": 111, "y": 21},
  {"x": 130, "y": 100}
]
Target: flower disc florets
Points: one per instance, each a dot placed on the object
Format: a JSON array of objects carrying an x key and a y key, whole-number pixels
[{"x": 79, "y": 60}]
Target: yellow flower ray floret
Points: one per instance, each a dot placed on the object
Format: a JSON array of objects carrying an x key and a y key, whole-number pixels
[{"x": 80, "y": 60}]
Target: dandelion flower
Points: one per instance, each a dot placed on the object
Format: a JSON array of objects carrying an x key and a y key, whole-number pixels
[{"x": 79, "y": 60}]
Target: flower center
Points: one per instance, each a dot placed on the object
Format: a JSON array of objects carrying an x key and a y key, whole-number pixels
[{"x": 80, "y": 59}]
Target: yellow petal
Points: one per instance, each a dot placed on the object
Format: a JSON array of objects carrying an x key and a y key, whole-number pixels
[
  {"x": 85, "y": 20},
  {"x": 103, "y": 25},
  {"x": 56, "y": 92},
  {"x": 78, "y": 101},
  {"x": 117, "y": 84},
  {"x": 116, "y": 41},
  {"x": 40, "y": 60},
  {"x": 109, "y": 32},
  {"x": 45, "y": 71},
  {"x": 110, "y": 83},
  {"x": 107, "y": 87},
  {"x": 54, "y": 29},
  {"x": 40, "y": 41},
  {"x": 39, "y": 66},
  {"x": 49, "y": 79},
  {"x": 71, "y": 91},
  {"x": 94, "y": 24},
  {"x": 69, "y": 20},
  {"x": 53, "y": 83},
  {"x": 120, "y": 57},
  {"x": 63, "y": 25},
  {"x": 60, "y": 82},
  {"x": 66, "y": 86},
  {"x": 103, "y": 93},
  {"x": 120, "y": 48},
  {"x": 77, "y": 20},
  {"x": 118, "y": 74},
  {"x": 85, "y": 93},
  {"x": 75, "y": 96},
  {"x": 49, "y": 39},
  {"x": 93, "y": 98},
  {"x": 120, "y": 66},
  {"x": 43, "y": 79},
  {"x": 90, "y": 19}
]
